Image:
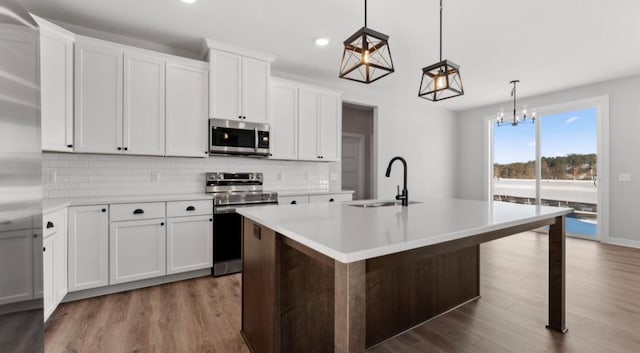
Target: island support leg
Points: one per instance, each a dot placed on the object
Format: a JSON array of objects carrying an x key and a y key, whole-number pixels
[
  {"x": 350, "y": 307},
  {"x": 557, "y": 275}
]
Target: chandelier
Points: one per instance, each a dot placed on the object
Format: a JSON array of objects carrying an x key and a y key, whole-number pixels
[{"x": 517, "y": 119}]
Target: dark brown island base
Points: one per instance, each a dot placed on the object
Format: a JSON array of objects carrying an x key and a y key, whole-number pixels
[{"x": 297, "y": 300}]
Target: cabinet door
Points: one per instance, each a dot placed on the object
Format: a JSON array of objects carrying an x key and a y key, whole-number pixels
[
  {"x": 56, "y": 90},
  {"x": 137, "y": 250},
  {"x": 284, "y": 121},
  {"x": 88, "y": 247},
  {"x": 330, "y": 128},
  {"x": 60, "y": 285},
  {"x": 16, "y": 253},
  {"x": 187, "y": 110},
  {"x": 308, "y": 125},
  {"x": 49, "y": 247},
  {"x": 189, "y": 243},
  {"x": 144, "y": 96},
  {"x": 258, "y": 283},
  {"x": 98, "y": 97},
  {"x": 255, "y": 90},
  {"x": 226, "y": 89}
]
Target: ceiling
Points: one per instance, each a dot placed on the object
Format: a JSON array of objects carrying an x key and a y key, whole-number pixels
[{"x": 548, "y": 44}]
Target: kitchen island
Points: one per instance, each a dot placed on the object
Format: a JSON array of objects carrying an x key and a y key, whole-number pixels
[{"x": 344, "y": 278}]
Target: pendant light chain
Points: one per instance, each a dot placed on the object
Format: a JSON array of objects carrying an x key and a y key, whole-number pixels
[{"x": 440, "y": 30}]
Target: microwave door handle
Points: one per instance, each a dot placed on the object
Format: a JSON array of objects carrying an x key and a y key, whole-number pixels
[{"x": 255, "y": 146}]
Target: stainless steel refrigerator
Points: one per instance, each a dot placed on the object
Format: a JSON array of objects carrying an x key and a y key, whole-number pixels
[{"x": 21, "y": 314}]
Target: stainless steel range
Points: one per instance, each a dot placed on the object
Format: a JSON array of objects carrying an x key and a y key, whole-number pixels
[{"x": 230, "y": 192}]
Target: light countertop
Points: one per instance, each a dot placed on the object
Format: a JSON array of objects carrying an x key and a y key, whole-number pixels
[
  {"x": 348, "y": 234},
  {"x": 312, "y": 192}
]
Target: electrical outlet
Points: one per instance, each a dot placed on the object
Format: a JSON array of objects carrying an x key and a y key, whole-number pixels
[
  {"x": 51, "y": 176},
  {"x": 155, "y": 176},
  {"x": 624, "y": 177}
]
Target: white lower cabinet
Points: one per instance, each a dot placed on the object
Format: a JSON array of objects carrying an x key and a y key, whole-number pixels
[
  {"x": 16, "y": 252},
  {"x": 88, "y": 247},
  {"x": 49, "y": 247},
  {"x": 189, "y": 243},
  {"x": 137, "y": 250}
]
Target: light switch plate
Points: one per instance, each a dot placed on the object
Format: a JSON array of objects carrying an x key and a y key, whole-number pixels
[{"x": 624, "y": 177}]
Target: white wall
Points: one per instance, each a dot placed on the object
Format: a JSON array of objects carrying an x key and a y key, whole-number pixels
[
  {"x": 82, "y": 175},
  {"x": 624, "y": 125},
  {"x": 408, "y": 126}
]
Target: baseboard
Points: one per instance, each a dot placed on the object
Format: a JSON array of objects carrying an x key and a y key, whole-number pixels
[
  {"x": 33, "y": 304},
  {"x": 623, "y": 242},
  {"x": 122, "y": 287}
]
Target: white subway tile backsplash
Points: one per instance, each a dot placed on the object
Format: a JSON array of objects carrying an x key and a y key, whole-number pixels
[{"x": 81, "y": 175}]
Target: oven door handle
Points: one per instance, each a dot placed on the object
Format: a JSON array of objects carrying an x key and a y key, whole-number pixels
[
  {"x": 225, "y": 209},
  {"x": 233, "y": 208}
]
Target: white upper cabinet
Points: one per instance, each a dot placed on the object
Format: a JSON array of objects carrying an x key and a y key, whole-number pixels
[
  {"x": 139, "y": 102},
  {"x": 56, "y": 86},
  {"x": 240, "y": 83},
  {"x": 98, "y": 96},
  {"x": 305, "y": 122},
  {"x": 284, "y": 120},
  {"x": 330, "y": 126},
  {"x": 144, "y": 104},
  {"x": 226, "y": 85},
  {"x": 187, "y": 114},
  {"x": 308, "y": 131},
  {"x": 255, "y": 90}
]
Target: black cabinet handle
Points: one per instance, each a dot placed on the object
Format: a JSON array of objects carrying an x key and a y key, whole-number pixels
[
  {"x": 206, "y": 152},
  {"x": 210, "y": 219},
  {"x": 126, "y": 148},
  {"x": 239, "y": 116},
  {"x": 103, "y": 210},
  {"x": 70, "y": 146},
  {"x": 294, "y": 202},
  {"x": 191, "y": 208},
  {"x": 119, "y": 148},
  {"x": 44, "y": 249},
  {"x": 50, "y": 225},
  {"x": 162, "y": 224},
  {"x": 35, "y": 235},
  {"x": 331, "y": 200},
  {"x": 257, "y": 232},
  {"x": 138, "y": 211}
]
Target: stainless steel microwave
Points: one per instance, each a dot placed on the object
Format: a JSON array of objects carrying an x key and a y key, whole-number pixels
[{"x": 238, "y": 137}]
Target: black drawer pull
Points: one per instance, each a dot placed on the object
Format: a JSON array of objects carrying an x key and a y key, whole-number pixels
[
  {"x": 294, "y": 202},
  {"x": 331, "y": 200},
  {"x": 103, "y": 210},
  {"x": 70, "y": 146},
  {"x": 257, "y": 232},
  {"x": 191, "y": 208},
  {"x": 50, "y": 225},
  {"x": 162, "y": 224},
  {"x": 138, "y": 211}
]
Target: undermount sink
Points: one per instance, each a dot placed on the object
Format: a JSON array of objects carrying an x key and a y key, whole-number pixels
[{"x": 382, "y": 204}]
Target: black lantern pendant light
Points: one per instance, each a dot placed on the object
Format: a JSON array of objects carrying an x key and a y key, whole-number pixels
[
  {"x": 442, "y": 80},
  {"x": 366, "y": 57},
  {"x": 517, "y": 119}
]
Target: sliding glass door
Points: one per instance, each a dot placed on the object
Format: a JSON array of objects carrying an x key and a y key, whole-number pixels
[{"x": 553, "y": 162}]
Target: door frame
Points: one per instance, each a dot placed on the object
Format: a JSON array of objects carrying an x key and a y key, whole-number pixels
[
  {"x": 361, "y": 167},
  {"x": 601, "y": 104}
]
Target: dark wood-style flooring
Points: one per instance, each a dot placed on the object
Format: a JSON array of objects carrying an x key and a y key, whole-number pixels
[{"x": 203, "y": 315}]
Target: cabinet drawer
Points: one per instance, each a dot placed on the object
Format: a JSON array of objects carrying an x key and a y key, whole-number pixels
[
  {"x": 136, "y": 211},
  {"x": 330, "y": 198},
  {"x": 189, "y": 208},
  {"x": 54, "y": 222},
  {"x": 293, "y": 200}
]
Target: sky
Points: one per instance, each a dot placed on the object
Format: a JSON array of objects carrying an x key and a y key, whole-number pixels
[{"x": 561, "y": 134}]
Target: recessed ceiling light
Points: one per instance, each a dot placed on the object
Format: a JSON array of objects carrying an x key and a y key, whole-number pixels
[
  {"x": 189, "y": 1},
  {"x": 322, "y": 42}
]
